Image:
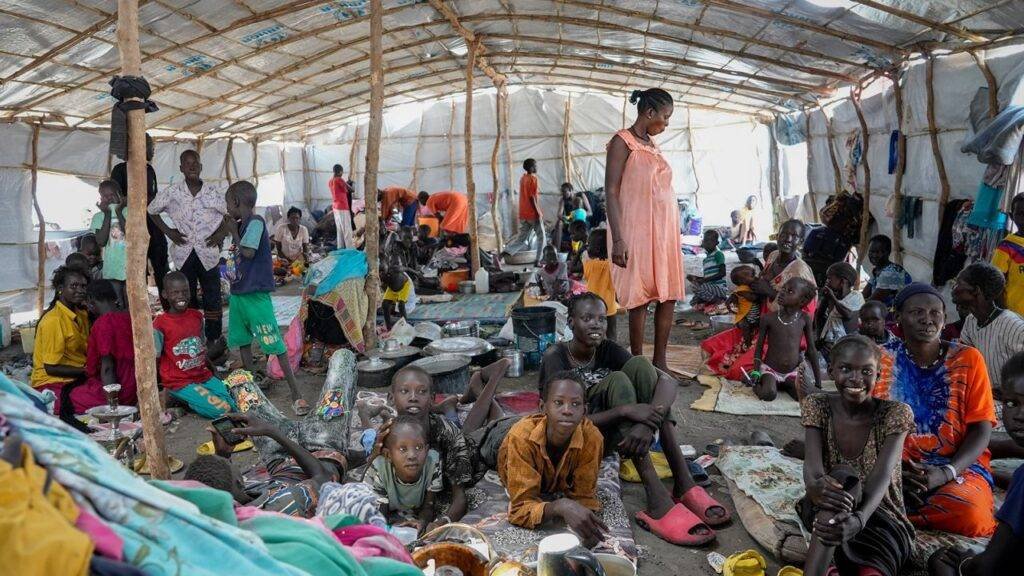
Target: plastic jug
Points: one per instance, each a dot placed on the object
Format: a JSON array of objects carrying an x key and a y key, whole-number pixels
[{"x": 482, "y": 280}]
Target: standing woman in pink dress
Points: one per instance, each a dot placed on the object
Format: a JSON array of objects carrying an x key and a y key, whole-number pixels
[{"x": 643, "y": 221}]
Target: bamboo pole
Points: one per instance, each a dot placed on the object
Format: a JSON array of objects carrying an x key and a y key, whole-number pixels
[
  {"x": 810, "y": 165},
  {"x": 227, "y": 159},
  {"x": 41, "y": 241},
  {"x": 467, "y": 134},
  {"x": 373, "y": 129},
  {"x": 499, "y": 105},
  {"x": 138, "y": 243},
  {"x": 901, "y": 163},
  {"x": 451, "y": 148},
  {"x": 940, "y": 164},
  {"x": 414, "y": 183},
  {"x": 865, "y": 215}
]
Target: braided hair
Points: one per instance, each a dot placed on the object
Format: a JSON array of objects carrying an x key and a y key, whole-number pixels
[
  {"x": 650, "y": 99},
  {"x": 60, "y": 276}
]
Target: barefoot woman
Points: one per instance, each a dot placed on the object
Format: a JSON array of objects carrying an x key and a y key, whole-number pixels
[{"x": 644, "y": 223}]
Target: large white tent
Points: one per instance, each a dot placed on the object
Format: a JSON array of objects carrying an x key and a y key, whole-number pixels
[{"x": 279, "y": 91}]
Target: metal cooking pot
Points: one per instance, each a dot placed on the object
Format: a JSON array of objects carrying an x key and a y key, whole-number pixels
[
  {"x": 467, "y": 287},
  {"x": 480, "y": 351},
  {"x": 449, "y": 371},
  {"x": 374, "y": 372}
]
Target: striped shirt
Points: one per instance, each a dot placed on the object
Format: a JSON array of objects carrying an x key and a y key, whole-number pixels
[{"x": 997, "y": 341}]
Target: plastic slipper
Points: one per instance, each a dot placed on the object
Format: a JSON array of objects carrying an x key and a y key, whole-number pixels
[
  {"x": 206, "y": 448},
  {"x": 748, "y": 563},
  {"x": 698, "y": 501},
  {"x": 699, "y": 475},
  {"x": 141, "y": 465},
  {"x": 676, "y": 526},
  {"x": 300, "y": 407},
  {"x": 790, "y": 571}
]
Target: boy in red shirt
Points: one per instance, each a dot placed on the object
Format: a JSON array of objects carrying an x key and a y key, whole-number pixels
[
  {"x": 181, "y": 349},
  {"x": 342, "y": 206},
  {"x": 110, "y": 353}
]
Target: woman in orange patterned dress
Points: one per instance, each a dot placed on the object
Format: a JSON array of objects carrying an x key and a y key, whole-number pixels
[
  {"x": 643, "y": 221},
  {"x": 946, "y": 477}
]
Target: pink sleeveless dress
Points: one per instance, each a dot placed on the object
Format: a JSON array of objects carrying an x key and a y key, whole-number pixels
[{"x": 650, "y": 227}]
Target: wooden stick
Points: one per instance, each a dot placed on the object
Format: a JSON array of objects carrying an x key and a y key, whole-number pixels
[
  {"x": 940, "y": 164},
  {"x": 41, "y": 241},
  {"x": 508, "y": 151},
  {"x": 499, "y": 105},
  {"x": 414, "y": 184},
  {"x": 810, "y": 166},
  {"x": 901, "y": 163},
  {"x": 352, "y": 155},
  {"x": 947, "y": 28},
  {"x": 451, "y": 148},
  {"x": 566, "y": 171},
  {"x": 138, "y": 243},
  {"x": 480, "y": 60},
  {"x": 836, "y": 172},
  {"x": 693, "y": 158},
  {"x": 371, "y": 232},
  {"x": 255, "y": 163},
  {"x": 307, "y": 190},
  {"x": 774, "y": 174},
  {"x": 990, "y": 79},
  {"x": 625, "y": 105},
  {"x": 467, "y": 134},
  {"x": 227, "y": 159},
  {"x": 865, "y": 215}
]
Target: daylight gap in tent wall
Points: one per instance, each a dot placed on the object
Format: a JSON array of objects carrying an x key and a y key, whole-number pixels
[
  {"x": 138, "y": 244},
  {"x": 373, "y": 129}
]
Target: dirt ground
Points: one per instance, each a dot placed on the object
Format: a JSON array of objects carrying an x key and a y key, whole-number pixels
[{"x": 695, "y": 428}]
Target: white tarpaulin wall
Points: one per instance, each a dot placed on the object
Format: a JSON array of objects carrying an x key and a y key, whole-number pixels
[
  {"x": 956, "y": 80},
  {"x": 730, "y": 152}
]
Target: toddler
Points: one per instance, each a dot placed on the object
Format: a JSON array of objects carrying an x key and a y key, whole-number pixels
[
  {"x": 399, "y": 296},
  {"x": 745, "y": 302},
  {"x": 597, "y": 274},
  {"x": 784, "y": 331},
  {"x": 710, "y": 289}
]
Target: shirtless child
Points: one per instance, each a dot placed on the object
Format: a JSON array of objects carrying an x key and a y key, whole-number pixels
[{"x": 784, "y": 331}]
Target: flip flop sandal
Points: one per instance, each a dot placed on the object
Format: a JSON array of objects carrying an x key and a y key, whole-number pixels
[
  {"x": 676, "y": 526},
  {"x": 748, "y": 563},
  {"x": 698, "y": 501},
  {"x": 790, "y": 571},
  {"x": 141, "y": 465},
  {"x": 206, "y": 448},
  {"x": 699, "y": 475},
  {"x": 300, "y": 407}
]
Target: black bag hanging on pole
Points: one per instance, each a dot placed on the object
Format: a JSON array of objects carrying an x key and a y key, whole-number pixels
[{"x": 123, "y": 88}]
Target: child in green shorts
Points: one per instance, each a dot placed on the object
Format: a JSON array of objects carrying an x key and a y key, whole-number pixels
[
  {"x": 185, "y": 369},
  {"x": 251, "y": 312}
]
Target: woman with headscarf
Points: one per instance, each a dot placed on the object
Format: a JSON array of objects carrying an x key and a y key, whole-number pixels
[
  {"x": 729, "y": 354},
  {"x": 947, "y": 481},
  {"x": 643, "y": 223}
]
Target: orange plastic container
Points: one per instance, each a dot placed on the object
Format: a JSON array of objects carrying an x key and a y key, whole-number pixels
[
  {"x": 450, "y": 280},
  {"x": 433, "y": 222}
]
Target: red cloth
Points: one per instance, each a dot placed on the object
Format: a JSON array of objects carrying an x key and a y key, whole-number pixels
[
  {"x": 339, "y": 193},
  {"x": 726, "y": 353},
  {"x": 183, "y": 356},
  {"x": 111, "y": 335},
  {"x": 529, "y": 190}
]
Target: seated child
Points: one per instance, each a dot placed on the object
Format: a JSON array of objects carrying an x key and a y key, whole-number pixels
[
  {"x": 783, "y": 331},
  {"x": 184, "y": 368},
  {"x": 549, "y": 463},
  {"x": 854, "y": 505},
  {"x": 1003, "y": 550},
  {"x": 711, "y": 288},
  {"x": 578, "y": 246},
  {"x": 425, "y": 245},
  {"x": 579, "y": 213},
  {"x": 552, "y": 276},
  {"x": 406, "y": 475},
  {"x": 597, "y": 274},
  {"x": 110, "y": 354},
  {"x": 251, "y": 310},
  {"x": 399, "y": 296},
  {"x": 837, "y": 315},
  {"x": 629, "y": 400},
  {"x": 871, "y": 322},
  {"x": 769, "y": 248},
  {"x": 109, "y": 226},
  {"x": 290, "y": 485},
  {"x": 90, "y": 248},
  {"x": 745, "y": 302}
]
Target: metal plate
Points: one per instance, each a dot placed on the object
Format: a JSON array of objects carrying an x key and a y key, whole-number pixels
[
  {"x": 466, "y": 345},
  {"x": 442, "y": 363},
  {"x": 400, "y": 352}
]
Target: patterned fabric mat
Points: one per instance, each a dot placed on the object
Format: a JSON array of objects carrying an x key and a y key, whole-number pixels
[
  {"x": 285, "y": 309},
  {"x": 489, "y": 308},
  {"x": 730, "y": 397},
  {"x": 775, "y": 483}
]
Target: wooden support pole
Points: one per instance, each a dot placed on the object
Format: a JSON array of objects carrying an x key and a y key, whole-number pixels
[
  {"x": 353, "y": 154},
  {"x": 138, "y": 243},
  {"x": 865, "y": 215},
  {"x": 810, "y": 166},
  {"x": 255, "y": 164},
  {"x": 451, "y": 148},
  {"x": 508, "y": 155},
  {"x": 625, "y": 105},
  {"x": 934, "y": 25},
  {"x": 933, "y": 131},
  {"x": 837, "y": 174},
  {"x": 373, "y": 129},
  {"x": 566, "y": 169},
  {"x": 774, "y": 175},
  {"x": 307, "y": 189},
  {"x": 41, "y": 241},
  {"x": 693, "y": 158},
  {"x": 901, "y": 164},
  {"x": 227, "y": 159},
  {"x": 467, "y": 134},
  {"x": 990, "y": 79},
  {"x": 414, "y": 183},
  {"x": 499, "y": 111}
]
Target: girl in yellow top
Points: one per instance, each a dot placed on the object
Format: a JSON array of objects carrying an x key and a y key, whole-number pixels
[
  {"x": 399, "y": 297},
  {"x": 598, "y": 276},
  {"x": 1009, "y": 258},
  {"x": 58, "y": 361}
]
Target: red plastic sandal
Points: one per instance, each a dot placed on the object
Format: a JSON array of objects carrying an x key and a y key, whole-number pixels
[
  {"x": 698, "y": 501},
  {"x": 676, "y": 527}
]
